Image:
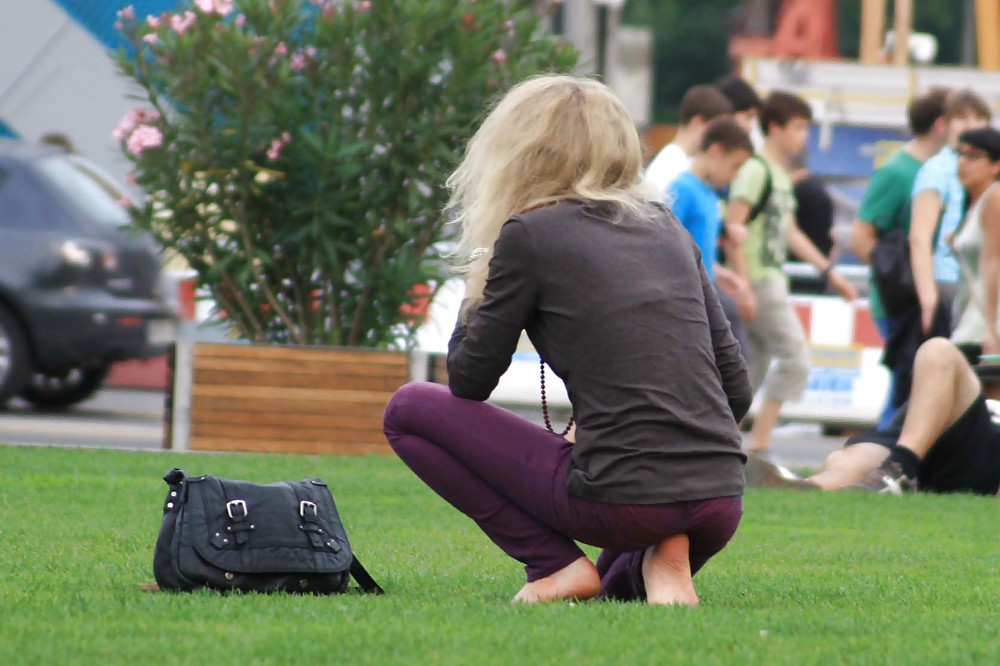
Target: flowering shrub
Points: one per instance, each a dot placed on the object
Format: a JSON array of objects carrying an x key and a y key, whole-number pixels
[{"x": 294, "y": 151}]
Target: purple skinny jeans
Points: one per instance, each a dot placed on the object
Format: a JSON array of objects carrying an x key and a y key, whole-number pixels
[{"x": 509, "y": 476}]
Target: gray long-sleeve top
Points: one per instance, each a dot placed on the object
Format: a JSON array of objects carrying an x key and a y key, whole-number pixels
[{"x": 624, "y": 313}]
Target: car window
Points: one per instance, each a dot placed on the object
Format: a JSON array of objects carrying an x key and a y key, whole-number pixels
[
  {"x": 83, "y": 191},
  {"x": 24, "y": 204}
]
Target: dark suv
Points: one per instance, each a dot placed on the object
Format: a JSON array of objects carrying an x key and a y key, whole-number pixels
[{"x": 77, "y": 290}]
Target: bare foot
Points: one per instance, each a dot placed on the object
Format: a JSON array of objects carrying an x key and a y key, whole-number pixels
[
  {"x": 578, "y": 580},
  {"x": 666, "y": 571}
]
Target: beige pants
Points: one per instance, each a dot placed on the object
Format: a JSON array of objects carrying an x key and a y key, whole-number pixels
[{"x": 776, "y": 335}]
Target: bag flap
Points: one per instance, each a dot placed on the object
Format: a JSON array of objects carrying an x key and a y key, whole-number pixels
[{"x": 276, "y": 528}]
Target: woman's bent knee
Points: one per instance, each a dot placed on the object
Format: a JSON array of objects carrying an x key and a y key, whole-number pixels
[{"x": 409, "y": 401}]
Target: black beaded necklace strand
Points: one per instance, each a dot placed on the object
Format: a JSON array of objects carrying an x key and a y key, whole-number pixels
[{"x": 545, "y": 404}]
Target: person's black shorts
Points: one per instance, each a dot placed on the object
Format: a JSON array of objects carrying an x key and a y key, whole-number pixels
[{"x": 965, "y": 459}]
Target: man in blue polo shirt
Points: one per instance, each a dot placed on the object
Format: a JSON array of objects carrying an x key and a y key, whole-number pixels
[{"x": 693, "y": 197}]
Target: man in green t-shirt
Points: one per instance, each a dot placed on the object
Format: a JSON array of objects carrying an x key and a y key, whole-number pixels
[
  {"x": 886, "y": 204},
  {"x": 757, "y": 248}
]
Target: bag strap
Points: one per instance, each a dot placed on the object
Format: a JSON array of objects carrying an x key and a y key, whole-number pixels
[
  {"x": 765, "y": 192},
  {"x": 364, "y": 579}
]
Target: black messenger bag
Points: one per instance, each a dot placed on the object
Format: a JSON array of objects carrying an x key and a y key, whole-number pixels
[
  {"x": 893, "y": 275},
  {"x": 234, "y": 535}
]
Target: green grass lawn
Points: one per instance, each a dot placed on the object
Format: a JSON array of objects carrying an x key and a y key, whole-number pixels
[{"x": 809, "y": 579}]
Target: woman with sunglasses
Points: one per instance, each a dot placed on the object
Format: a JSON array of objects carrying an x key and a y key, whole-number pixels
[{"x": 976, "y": 245}]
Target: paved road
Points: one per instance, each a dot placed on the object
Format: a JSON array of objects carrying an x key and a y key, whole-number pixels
[
  {"x": 134, "y": 419},
  {"x": 114, "y": 419}
]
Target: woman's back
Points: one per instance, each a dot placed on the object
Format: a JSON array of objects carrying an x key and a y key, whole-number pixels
[{"x": 623, "y": 312}]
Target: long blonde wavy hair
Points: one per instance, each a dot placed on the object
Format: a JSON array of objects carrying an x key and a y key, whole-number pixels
[{"x": 549, "y": 138}]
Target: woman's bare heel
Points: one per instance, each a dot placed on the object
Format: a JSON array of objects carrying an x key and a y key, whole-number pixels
[
  {"x": 666, "y": 572},
  {"x": 577, "y": 580}
]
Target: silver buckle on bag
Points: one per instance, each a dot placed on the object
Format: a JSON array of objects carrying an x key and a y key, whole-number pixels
[
  {"x": 237, "y": 503},
  {"x": 304, "y": 505}
]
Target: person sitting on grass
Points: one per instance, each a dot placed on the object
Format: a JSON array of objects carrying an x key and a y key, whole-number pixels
[
  {"x": 948, "y": 440},
  {"x": 613, "y": 294}
]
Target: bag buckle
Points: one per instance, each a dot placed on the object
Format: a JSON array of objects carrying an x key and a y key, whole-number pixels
[
  {"x": 240, "y": 505},
  {"x": 307, "y": 509}
]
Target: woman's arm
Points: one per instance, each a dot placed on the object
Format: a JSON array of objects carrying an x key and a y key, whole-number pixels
[
  {"x": 486, "y": 336},
  {"x": 989, "y": 268},
  {"x": 804, "y": 248},
  {"x": 923, "y": 224}
]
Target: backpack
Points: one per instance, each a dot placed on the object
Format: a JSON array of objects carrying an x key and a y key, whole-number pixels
[
  {"x": 765, "y": 192},
  {"x": 756, "y": 209}
]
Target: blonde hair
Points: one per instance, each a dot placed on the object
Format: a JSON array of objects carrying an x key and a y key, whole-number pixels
[{"x": 548, "y": 139}]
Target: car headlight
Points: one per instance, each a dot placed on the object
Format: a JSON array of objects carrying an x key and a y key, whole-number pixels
[{"x": 76, "y": 255}]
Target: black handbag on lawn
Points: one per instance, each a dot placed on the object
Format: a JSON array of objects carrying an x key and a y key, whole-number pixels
[{"x": 234, "y": 535}]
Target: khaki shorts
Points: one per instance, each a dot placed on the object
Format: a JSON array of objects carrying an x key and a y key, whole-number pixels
[{"x": 779, "y": 356}]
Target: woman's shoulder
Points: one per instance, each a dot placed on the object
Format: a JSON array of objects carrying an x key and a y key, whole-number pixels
[
  {"x": 573, "y": 215},
  {"x": 990, "y": 209}
]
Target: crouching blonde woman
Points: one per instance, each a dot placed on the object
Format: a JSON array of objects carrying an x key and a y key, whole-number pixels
[{"x": 612, "y": 293}]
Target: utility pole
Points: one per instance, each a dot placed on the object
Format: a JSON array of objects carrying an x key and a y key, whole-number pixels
[
  {"x": 903, "y": 28},
  {"x": 872, "y": 29},
  {"x": 988, "y": 33}
]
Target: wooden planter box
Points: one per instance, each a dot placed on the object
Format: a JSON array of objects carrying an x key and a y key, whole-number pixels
[{"x": 289, "y": 399}]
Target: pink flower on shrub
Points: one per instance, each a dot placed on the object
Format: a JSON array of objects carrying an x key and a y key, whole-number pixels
[
  {"x": 364, "y": 6},
  {"x": 181, "y": 22},
  {"x": 143, "y": 138},
  {"x": 128, "y": 13},
  {"x": 241, "y": 20},
  {"x": 151, "y": 38},
  {"x": 274, "y": 152},
  {"x": 499, "y": 56},
  {"x": 153, "y": 22},
  {"x": 220, "y": 7},
  {"x": 281, "y": 49},
  {"x": 301, "y": 59},
  {"x": 132, "y": 119},
  {"x": 298, "y": 62}
]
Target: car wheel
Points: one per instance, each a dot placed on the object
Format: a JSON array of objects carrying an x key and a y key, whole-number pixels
[
  {"x": 64, "y": 389},
  {"x": 14, "y": 361}
]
